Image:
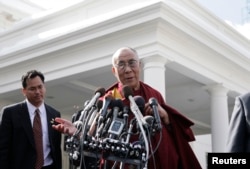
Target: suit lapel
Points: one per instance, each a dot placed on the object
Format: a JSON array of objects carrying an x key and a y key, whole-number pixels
[
  {"x": 24, "y": 116},
  {"x": 50, "y": 116}
]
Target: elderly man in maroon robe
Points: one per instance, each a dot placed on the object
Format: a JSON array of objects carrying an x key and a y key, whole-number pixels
[{"x": 174, "y": 151}]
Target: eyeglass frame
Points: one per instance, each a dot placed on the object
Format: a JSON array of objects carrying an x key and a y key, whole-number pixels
[{"x": 122, "y": 65}]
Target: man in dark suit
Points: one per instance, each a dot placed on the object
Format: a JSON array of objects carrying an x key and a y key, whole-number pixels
[
  {"x": 239, "y": 128},
  {"x": 18, "y": 148}
]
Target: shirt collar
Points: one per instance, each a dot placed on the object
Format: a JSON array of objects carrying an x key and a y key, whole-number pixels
[{"x": 32, "y": 108}]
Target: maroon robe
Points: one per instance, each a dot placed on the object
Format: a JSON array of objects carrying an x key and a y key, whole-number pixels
[{"x": 174, "y": 151}]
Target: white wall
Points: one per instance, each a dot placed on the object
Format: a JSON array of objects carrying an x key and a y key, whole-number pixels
[{"x": 201, "y": 147}]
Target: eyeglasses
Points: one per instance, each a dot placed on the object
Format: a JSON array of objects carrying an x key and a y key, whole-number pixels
[{"x": 131, "y": 63}]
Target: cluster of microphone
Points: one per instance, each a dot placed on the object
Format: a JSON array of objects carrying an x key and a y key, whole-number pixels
[{"x": 104, "y": 129}]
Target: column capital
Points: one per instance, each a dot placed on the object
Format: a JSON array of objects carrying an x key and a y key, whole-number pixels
[
  {"x": 154, "y": 60},
  {"x": 154, "y": 72},
  {"x": 216, "y": 89}
]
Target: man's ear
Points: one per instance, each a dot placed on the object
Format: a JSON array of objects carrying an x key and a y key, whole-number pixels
[
  {"x": 23, "y": 91},
  {"x": 113, "y": 71},
  {"x": 140, "y": 65}
]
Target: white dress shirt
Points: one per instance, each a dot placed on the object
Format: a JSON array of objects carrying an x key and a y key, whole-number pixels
[{"x": 46, "y": 144}]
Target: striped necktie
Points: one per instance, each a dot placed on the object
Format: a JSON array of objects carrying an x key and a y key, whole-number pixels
[{"x": 38, "y": 136}]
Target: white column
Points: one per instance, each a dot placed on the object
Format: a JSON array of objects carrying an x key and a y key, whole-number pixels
[
  {"x": 154, "y": 73},
  {"x": 219, "y": 117}
]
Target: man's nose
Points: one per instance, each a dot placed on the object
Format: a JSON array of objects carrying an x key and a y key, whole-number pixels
[{"x": 127, "y": 67}]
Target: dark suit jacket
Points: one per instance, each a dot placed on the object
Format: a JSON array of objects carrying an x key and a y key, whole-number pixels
[
  {"x": 17, "y": 145},
  {"x": 239, "y": 128}
]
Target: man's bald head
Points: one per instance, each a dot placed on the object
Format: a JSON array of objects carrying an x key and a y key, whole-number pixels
[{"x": 121, "y": 51}]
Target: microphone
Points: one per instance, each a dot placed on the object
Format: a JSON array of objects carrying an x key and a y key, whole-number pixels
[
  {"x": 86, "y": 103},
  {"x": 108, "y": 120},
  {"x": 77, "y": 114},
  {"x": 117, "y": 106},
  {"x": 79, "y": 125},
  {"x": 117, "y": 123},
  {"x": 150, "y": 122},
  {"x": 140, "y": 102},
  {"x": 128, "y": 93},
  {"x": 125, "y": 116},
  {"x": 106, "y": 103},
  {"x": 98, "y": 93},
  {"x": 97, "y": 109},
  {"x": 103, "y": 112},
  {"x": 154, "y": 103}
]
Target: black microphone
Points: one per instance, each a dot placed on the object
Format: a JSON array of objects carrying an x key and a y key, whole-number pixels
[
  {"x": 150, "y": 121},
  {"x": 98, "y": 93},
  {"x": 97, "y": 109},
  {"x": 107, "y": 120},
  {"x": 117, "y": 123},
  {"x": 125, "y": 116},
  {"x": 154, "y": 104},
  {"x": 139, "y": 100},
  {"x": 106, "y": 103},
  {"x": 128, "y": 93},
  {"x": 105, "y": 125},
  {"x": 117, "y": 105}
]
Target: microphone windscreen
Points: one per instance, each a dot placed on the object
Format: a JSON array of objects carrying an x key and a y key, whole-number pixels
[
  {"x": 117, "y": 103},
  {"x": 140, "y": 101},
  {"x": 153, "y": 101},
  {"x": 127, "y": 91},
  {"x": 101, "y": 91},
  {"x": 99, "y": 104},
  {"x": 149, "y": 120},
  {"x": 107, "y": 102}
]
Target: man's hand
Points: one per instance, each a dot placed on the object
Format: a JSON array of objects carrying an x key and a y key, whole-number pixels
[
  {"x": 162, "y": 112},
  {"x": 64, "y": 126}
]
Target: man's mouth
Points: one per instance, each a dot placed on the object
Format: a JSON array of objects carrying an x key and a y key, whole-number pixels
[{"x": 129, "y": 78}]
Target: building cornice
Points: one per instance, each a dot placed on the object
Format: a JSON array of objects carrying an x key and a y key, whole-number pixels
[{"x": 184, "y": 34}]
